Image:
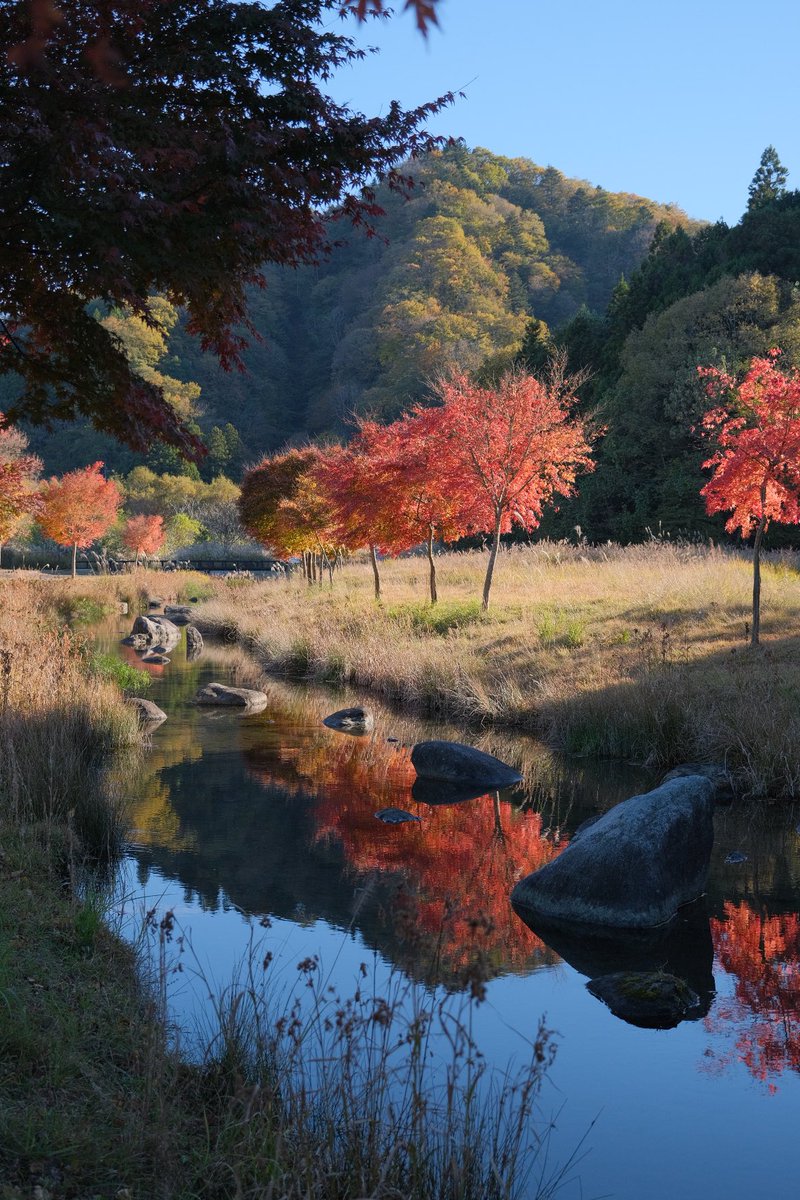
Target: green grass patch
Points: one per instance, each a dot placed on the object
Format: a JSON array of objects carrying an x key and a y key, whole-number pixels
[
  {"x": 85, "y": 610},
  {"x": 127, "y": 677},
  {"x": 438, "y": 618}
]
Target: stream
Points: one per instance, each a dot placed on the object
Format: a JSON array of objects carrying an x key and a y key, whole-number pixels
[{"x": 260, "y": 829}]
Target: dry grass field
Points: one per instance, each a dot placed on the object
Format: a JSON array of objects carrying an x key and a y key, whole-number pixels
[{"x": 638, "y": 653}]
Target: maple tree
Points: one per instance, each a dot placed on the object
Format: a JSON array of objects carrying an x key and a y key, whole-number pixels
[
  {"x": 387, "y": 491},
  {"x": 18, "y": 474},
  {"x": 167, "y": 148},
  {"x": 347, "y": 478},
  {"x": 281, "y": 505},
  {"x": 144, "y": 534},
  {"x": 512, "y": 447},
  {"x": 79, "y": 507},
  {"x": 424, "y": 493},
  {"x": 756, "y": 462}
]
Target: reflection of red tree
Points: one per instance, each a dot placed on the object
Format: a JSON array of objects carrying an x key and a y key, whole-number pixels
[
  {"x": 763, "y": 953},
  {"x": 459, "y": 863},
  {"x": 132, "y": 658}
]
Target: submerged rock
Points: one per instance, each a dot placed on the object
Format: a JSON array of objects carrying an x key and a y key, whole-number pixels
[
  {"x": 635, "y": 866},
  {"x": 148, "y": 712},
  {"x": 453, "y": 762},
  {"x": 155, "y": 656},
  {"x": 650, "y": 999},
  {"x": 395, "y": 816},
  {"x": 351, "y": 720},
  {"x": 682, "y": 947},
  {"x": 439, "y": 791},
  {"x": 231, "y": 697},
  {"x": 736, "y": 856}
]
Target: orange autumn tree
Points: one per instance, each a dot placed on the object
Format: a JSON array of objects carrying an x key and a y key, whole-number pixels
[
  {"x": 144, "y": 535},
  {"x": 282, "y": 508},
  {"x": 79, "y": 508},
  {"x": 756, "y": 432},
  {"x": 18, "y": 474},
  {"x": 514, "y": 446}
]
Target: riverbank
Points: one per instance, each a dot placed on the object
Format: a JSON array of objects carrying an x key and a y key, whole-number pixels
[
  {"x": 637, "y": 652},
  {"x": 96, "y": 1098}
]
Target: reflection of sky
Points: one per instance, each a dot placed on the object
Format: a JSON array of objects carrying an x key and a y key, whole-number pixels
[
  {"x": 665, "y": 1127},
  {"x": 670, "y": 1124}
]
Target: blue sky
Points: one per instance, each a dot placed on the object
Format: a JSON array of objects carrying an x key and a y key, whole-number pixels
[{"x": 672, "y": 101}]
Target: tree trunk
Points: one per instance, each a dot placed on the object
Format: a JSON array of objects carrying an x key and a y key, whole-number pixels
[
  {"x": 1, "y": 554},
  {"x": 756, "y": 628},
  {"x": 487, "y": 583},
  {"x": 74, "y": 559},
  {"x": 324, "y": 558},
  {"x": 375, "y": 572},
  {"x": 432, "y": 562}
]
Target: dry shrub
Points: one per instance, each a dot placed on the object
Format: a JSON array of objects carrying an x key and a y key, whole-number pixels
[{"x": 57, "y": 724}]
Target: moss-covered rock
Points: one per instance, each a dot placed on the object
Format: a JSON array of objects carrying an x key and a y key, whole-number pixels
[{"x": 651, "y": 999}]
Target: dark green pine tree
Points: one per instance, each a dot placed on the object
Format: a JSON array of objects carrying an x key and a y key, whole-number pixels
[{"x": 769, "y": 181}]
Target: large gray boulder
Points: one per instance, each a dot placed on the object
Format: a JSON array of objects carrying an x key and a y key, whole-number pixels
[
  {"x": 179, "y": 614},
  {"x": 453, "y": 762},
  {"x": 194, "y": 642},
  {"x": 634, "y": 867},
  {"x": 158, "y": 631},
  {"x": 148, "y": 712},
  {"x": 231, "y": 697}
]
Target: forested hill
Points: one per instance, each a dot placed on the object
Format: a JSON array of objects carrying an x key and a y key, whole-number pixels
[{"x": 452, "y": 274}]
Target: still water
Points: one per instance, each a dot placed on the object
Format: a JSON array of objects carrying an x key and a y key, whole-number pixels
[{"x": 240, "y": 817}]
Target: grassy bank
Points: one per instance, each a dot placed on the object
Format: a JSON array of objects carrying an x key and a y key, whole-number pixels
[
  {"x": 333, "y": 1097},
  {"x": 638, "y": 653}
]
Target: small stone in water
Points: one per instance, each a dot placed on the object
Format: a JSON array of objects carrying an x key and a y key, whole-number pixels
[
  {"x": 397, "y": 739},
  {"x": 736, "y": 857},
  {"x": 395, "y": 816}
]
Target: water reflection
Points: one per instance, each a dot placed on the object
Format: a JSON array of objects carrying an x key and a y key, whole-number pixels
[
  {"x": 275, "y": 814},
  {"x": 682, "y": 948}
]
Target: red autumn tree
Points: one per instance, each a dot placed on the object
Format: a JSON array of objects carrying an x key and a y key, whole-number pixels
[
  {"x": 757, "y": 458},
  {"x": 79, "y": 508},
  {"x": 347, "y": 477},
  {"x": 144, "y": 535},
  {"x": 424, "y": 495},
  {"x": 513, "y": 446},
  {"x": 18, "y": 474},
  {"x": 387, "y": 492}
]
